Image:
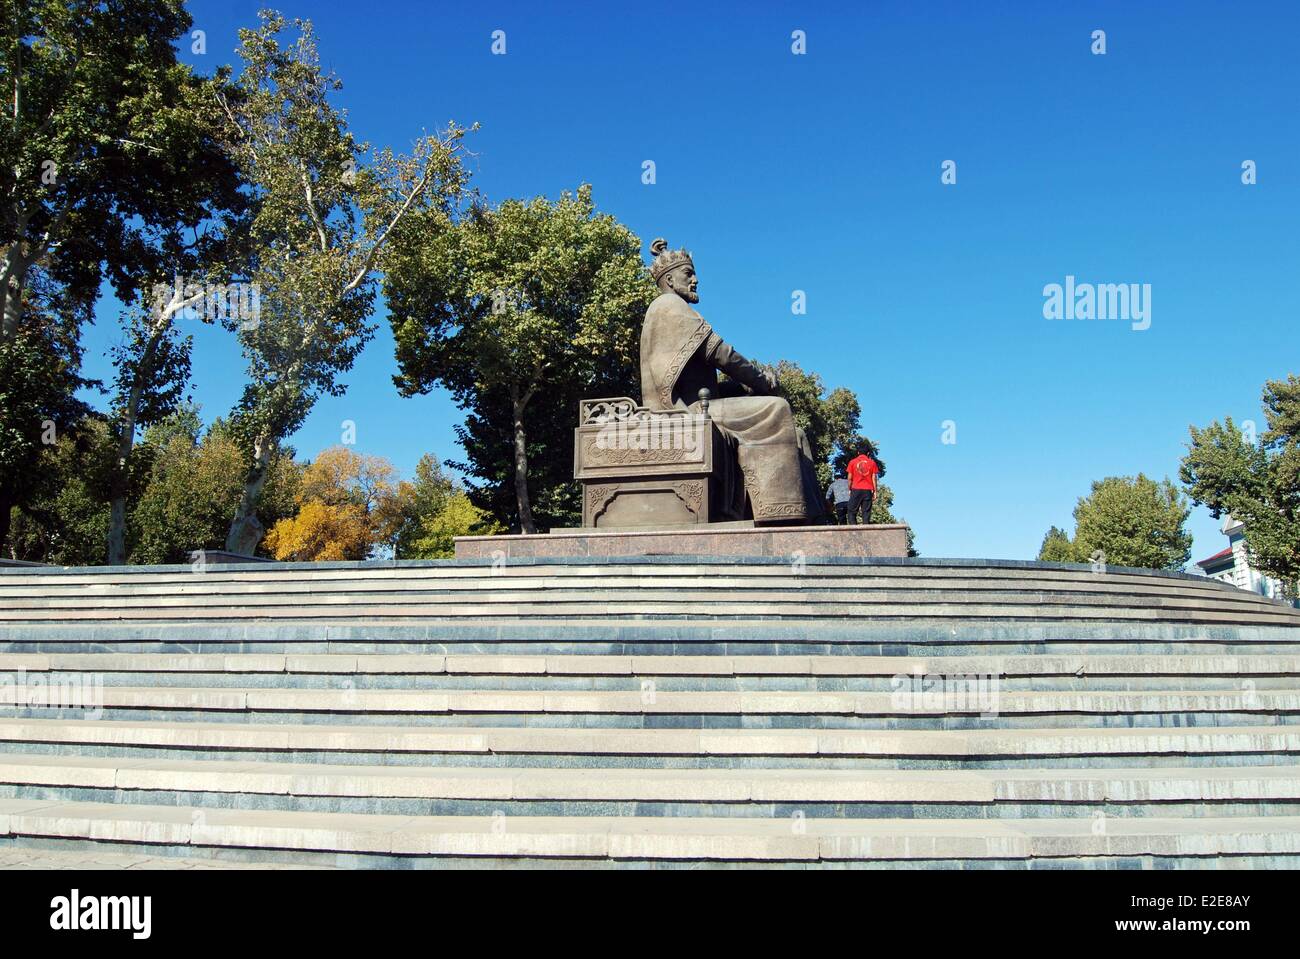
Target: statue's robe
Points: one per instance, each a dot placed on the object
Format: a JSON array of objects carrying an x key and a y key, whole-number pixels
[{"x": 680, "y": 355}]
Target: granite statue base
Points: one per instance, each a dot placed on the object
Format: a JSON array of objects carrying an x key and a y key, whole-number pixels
[
  {"x": 720, "y": 540},
  {"x": 221, "y": 557}
]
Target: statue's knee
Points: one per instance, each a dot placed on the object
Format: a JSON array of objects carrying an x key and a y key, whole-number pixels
[{"x": 783, "y": 410}]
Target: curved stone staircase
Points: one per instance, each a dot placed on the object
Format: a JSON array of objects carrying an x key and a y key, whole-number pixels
[{"x": 653, "y": 712}]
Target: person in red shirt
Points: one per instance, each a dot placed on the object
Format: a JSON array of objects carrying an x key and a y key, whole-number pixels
[{"x": 862, "y": 472}]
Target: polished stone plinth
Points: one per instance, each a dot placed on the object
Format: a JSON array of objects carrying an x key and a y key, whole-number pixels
[{"x": 781, "y": 542}]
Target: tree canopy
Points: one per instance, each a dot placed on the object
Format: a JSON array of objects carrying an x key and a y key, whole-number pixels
[
  {"x": 1126, "y": 521},
  {"x": 321, "y": 217},
  {"x": 505, "y": 304},
  {"x": 111, "y": 152},
  {"x": 353, "y": 506},
  {"x": 1257, "y": 483},
  {"x": 108, "y": 137}
]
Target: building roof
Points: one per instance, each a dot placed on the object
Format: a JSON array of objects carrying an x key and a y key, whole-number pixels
[{"x": 1216, "y": 558}]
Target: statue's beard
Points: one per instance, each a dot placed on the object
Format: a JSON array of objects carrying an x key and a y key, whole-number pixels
[{"x": 690, "y": 296}]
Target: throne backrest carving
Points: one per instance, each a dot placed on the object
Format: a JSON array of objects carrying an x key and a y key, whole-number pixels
[
  {"x": 616, "y": 434},
  {"x": 624, "y": 409}
]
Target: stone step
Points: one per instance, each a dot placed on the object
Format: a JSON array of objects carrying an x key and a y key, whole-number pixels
[
  {"x": 489, "y": 592},
  {"x": 765, "y": 703},
  {"x": 663, "y": 683},
  {"x": 967, "y": 704},
  {"x": 677, "y": 637},
  {"x": 731, "y": 786},
  {"x": 310, "y": 644},
  {"x": 643, "y": 569},
  {"x": 561, "y": 673},
  {"x": 18, "y": 855},
  {"x": 496, "y": 664},
  {"x": 388, "y": 743},
  {"x": 353, "y": 839},
  {"x": 1038, "y": 610}
]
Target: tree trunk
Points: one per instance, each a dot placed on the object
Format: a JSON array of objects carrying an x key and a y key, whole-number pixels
[
  {"x": 13, "y": 305},
  {"x": 120, "y": 482},
  {"x": 246, "y": 530},
  {"x": 526, "y": 524},
  {"x": 117, "y": 530},
  {"x": 6, "y": 507}
]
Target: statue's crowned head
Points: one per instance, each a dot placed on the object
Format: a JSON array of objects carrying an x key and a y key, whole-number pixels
[{"x": 674, "y": 270}]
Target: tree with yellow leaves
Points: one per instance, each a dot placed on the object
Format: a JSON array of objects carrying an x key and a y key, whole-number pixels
[
  {"x": 351, "y": 506},
  {"x": 347, "y": 508},
  {"x": 322, "y": 532}
]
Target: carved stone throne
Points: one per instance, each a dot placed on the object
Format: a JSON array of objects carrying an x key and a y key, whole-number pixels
[{"x": 648, "y": 469}]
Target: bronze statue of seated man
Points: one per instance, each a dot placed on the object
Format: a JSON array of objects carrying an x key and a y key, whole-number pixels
[{"x": 681, "y": 355}]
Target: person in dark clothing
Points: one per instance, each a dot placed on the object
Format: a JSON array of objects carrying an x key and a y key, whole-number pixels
[{"x": 838, "y": 494}]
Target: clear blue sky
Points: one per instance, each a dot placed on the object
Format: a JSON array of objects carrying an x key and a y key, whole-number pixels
[{"x": 822, "y": 173}]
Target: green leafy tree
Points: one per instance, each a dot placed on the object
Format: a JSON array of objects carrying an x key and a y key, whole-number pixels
[
  {"x": 1258, "y": 484},
  {"x": 456, "y": 517},
  {"x": 193, "y": 485},
  {"x": 320, "y": 221},
  {"x": 66, "y": 520},
  {"x": 418, "y": 500},
  {"x": 434, "y": 510},
  {"x": 186, "y": 420},
  {"x": 1057, "y": 548},
  {"x": 1126, "y": 521},
  {"x": 152, "y": 361},
  {"x": 518, "y": 311},
  {"x": 153, "y": 367},
  {"x": 112, "y": 150},
  {"x": 39, "y": 374},
  {"x": 488, "y": 437},
  {"x": 106, "y": 136}
]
